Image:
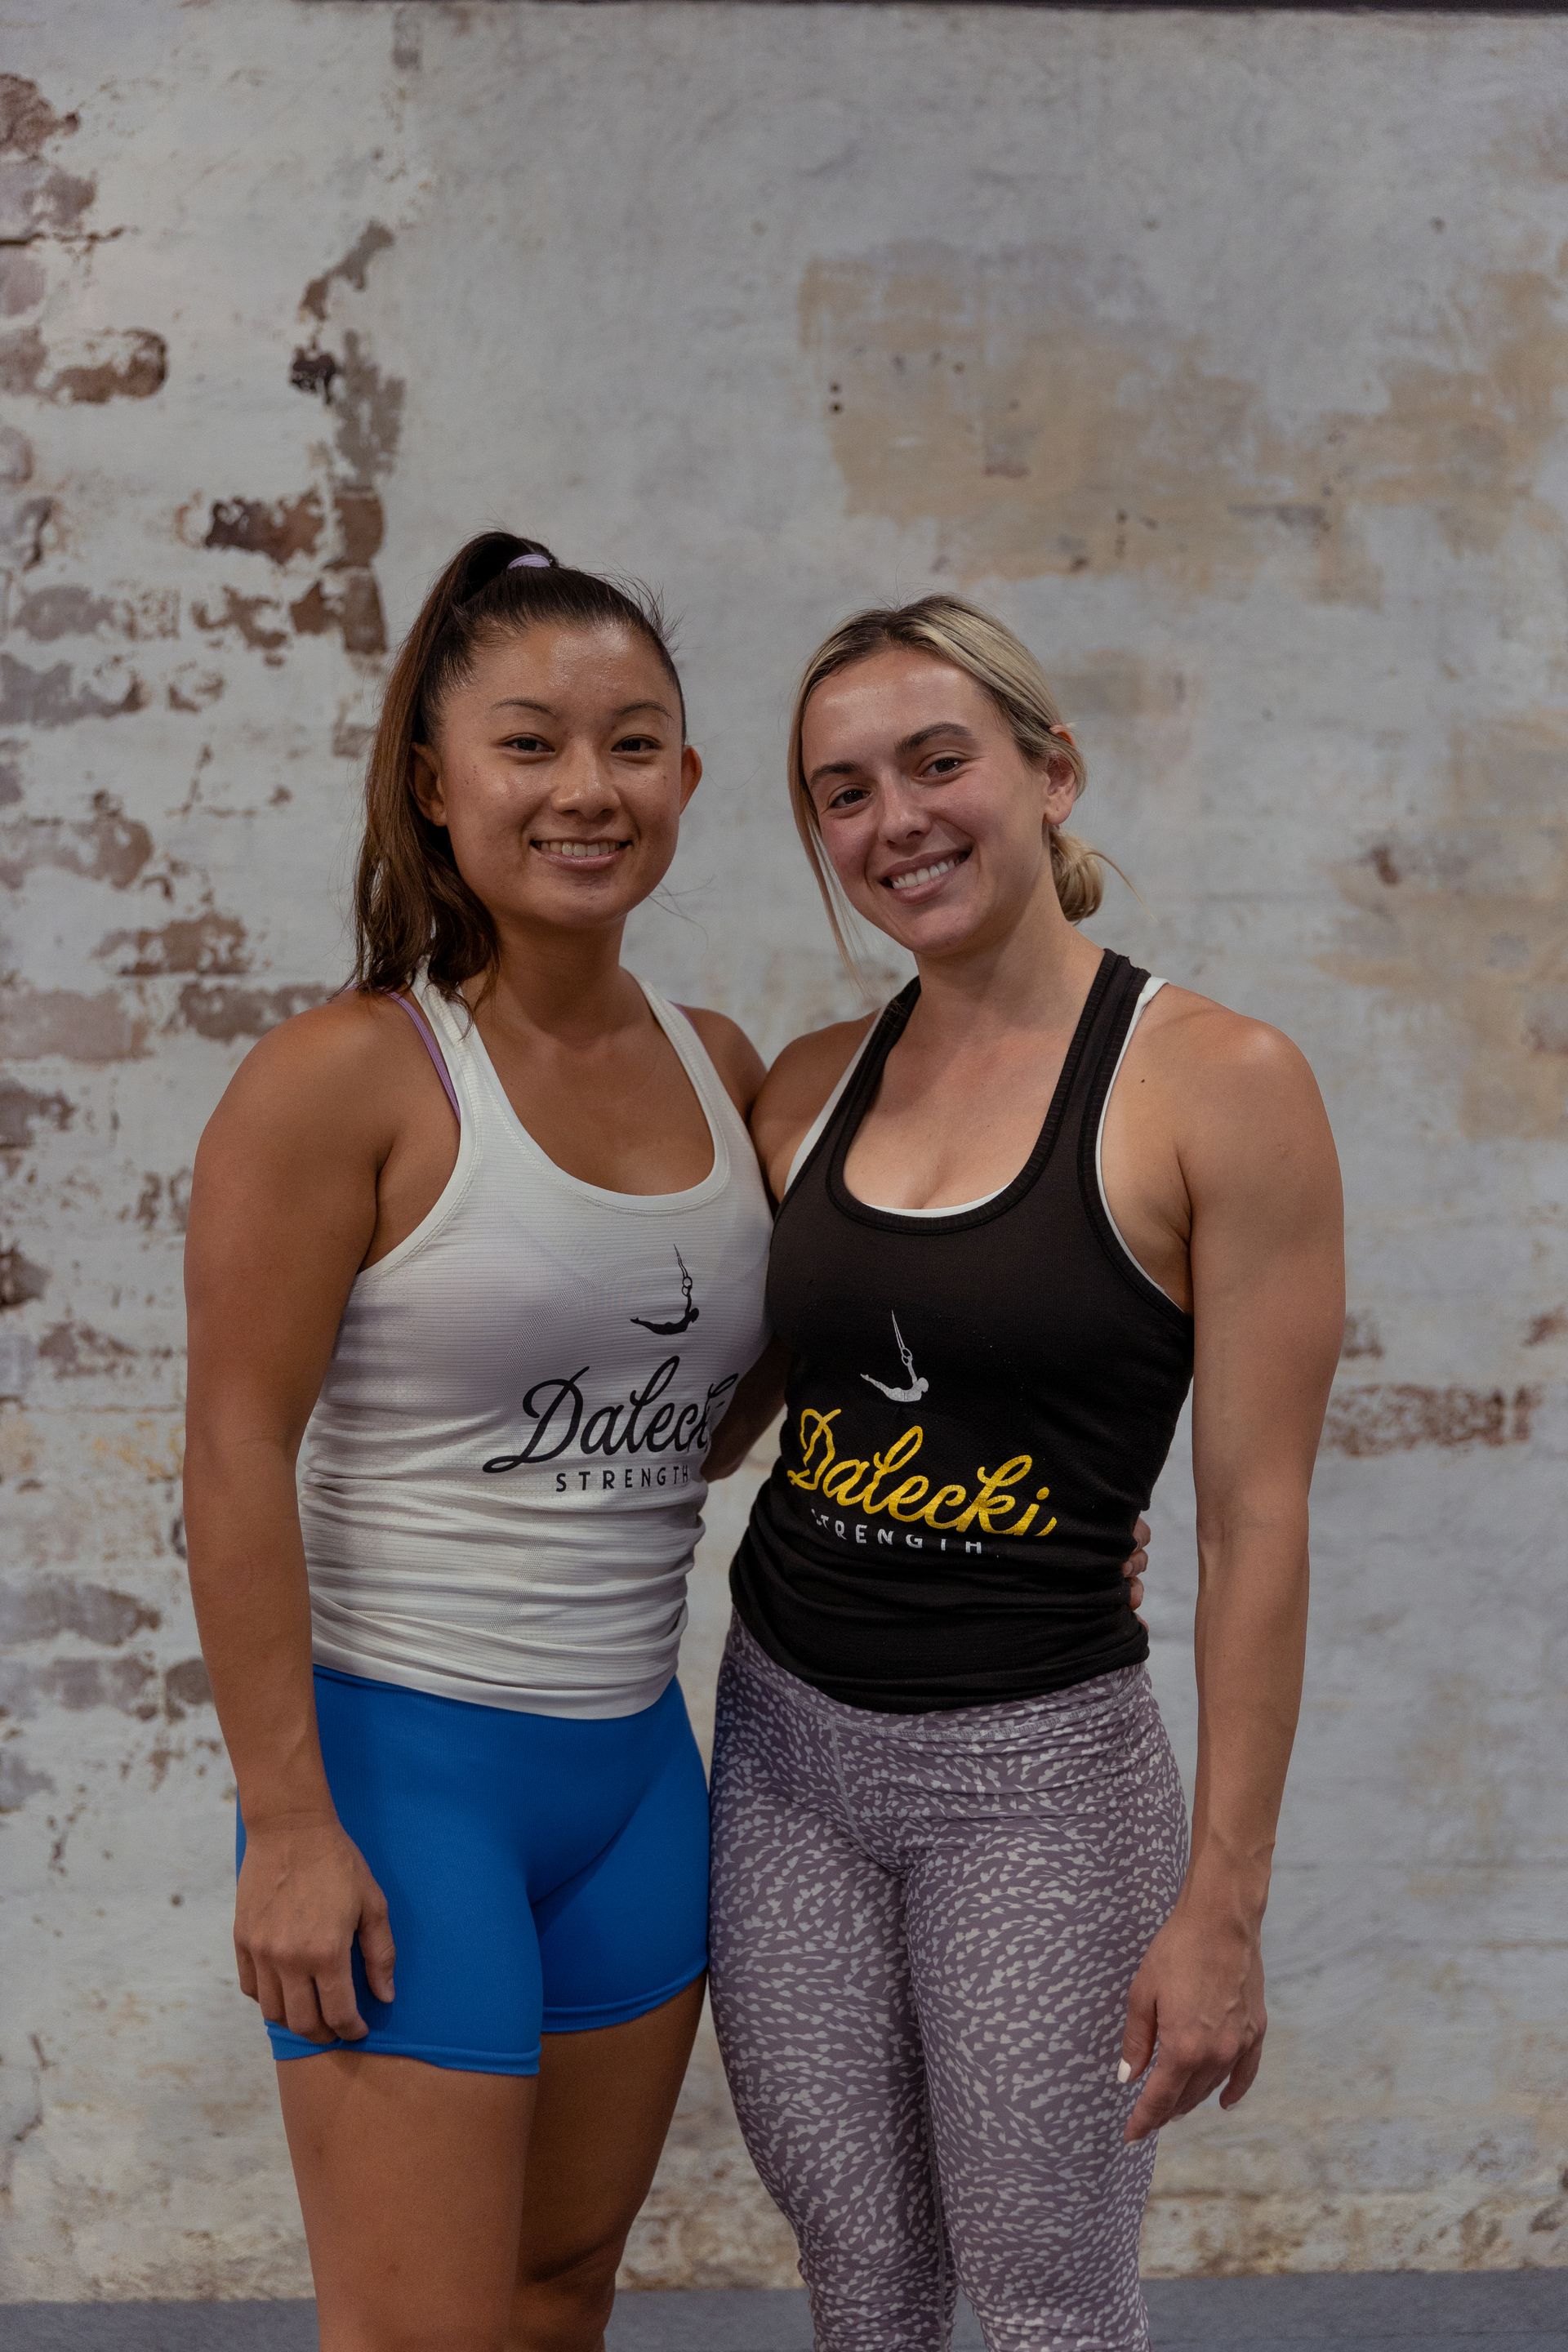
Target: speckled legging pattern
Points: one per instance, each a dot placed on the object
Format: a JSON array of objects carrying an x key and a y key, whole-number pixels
[{"x": 923, "y": 1931}]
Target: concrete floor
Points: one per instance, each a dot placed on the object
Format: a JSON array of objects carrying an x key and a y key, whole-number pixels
[{"x": 1508, "y": 2311}]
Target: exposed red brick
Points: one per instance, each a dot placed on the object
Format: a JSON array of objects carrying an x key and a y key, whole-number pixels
[
  {"x": 1398, "y": 1417},
  {"x": 286, "y": 527}
]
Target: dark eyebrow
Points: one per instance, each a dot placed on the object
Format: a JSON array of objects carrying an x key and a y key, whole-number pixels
[
  {"x": 523, "y": 702},
  {"x": 921, "y": 735}
]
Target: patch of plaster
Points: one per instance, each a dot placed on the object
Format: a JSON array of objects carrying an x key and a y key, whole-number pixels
[
  {"x": 227, "y": 1013},
  {"x": 67, "y": 611},
  {"x": 76, "y": 1684},
  {"x": 192, "y": 943},
  {"x": 996, "y": 397},
  {"x": 38, "y": 1023},
  {"x": 52, "y": 1605},
  {"x": 51, "y": 697},
  {"x": 76, "y": 1352},
  {"x": 1463, "y": 914},
  {"x": 107, "y": 846}
]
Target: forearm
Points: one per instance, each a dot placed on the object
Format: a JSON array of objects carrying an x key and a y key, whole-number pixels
[
  {"x": 757, "y": 1402},
  {"x": 248, "y": 1579},
  {"x": 1249, "y": 1647}
]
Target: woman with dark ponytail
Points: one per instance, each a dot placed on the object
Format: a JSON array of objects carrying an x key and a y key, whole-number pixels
[{"x": 474, "y": 1269}]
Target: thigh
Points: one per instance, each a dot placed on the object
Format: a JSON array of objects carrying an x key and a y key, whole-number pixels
[
  {"x": 628, "y": 1929},
  {"x": 410, "y": 2180},
  {"x": 812, "y": 2001},
  {"x": 423, "y": 1785},
  {"x": 1024, "y": 1934},
  {"x": 605, "y": 2102}
]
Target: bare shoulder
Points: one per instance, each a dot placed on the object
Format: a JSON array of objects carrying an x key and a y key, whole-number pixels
[
  {"x": 1193, "y": 1038},
  {"x": 1238, "y": 1100},
  {"x": 798, "y": 1086},
  {"x": 1219, "y": 1060},
  {"x": 333, "y": 1073},
  {"x": 731, "y": 1053}
]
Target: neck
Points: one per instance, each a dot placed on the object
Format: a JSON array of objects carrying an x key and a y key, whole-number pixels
[
  {"x": 1035, "y": 977},
  {"x": 571, "y": 985}
]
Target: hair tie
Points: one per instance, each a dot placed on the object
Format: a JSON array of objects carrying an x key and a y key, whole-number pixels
[{"x": 532, "y": 562}]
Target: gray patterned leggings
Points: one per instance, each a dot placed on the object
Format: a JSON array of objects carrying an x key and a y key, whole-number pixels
[{"x": 925, "y": 1928}]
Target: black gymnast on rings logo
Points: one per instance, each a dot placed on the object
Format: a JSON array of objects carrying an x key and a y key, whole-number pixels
[
  {"x": 689, "y": 1315},
  {"x": 649, "y": 1421}
]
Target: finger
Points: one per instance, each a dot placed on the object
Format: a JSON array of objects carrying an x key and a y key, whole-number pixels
[
  {"x": 1160, "y": 2099},
  {"x": 244, "y": 1968},
  {"x": 335, "y": 2000},
  {"x": 1138, "y": 2034},
  {"x": 301, "y": 2010},
  {"x": 270, "y": 1993},
  {"x": 1242, "y": 2075},
  {"x": 377, "y": 1948},
  {"x": 1202, "y": 2083},
  {"x": 1135, "y": 1594},
  {"x": 1143, "y": 1535}
]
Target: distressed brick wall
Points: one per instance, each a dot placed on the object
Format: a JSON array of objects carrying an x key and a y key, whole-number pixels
[{"x": 1226, "y": 356}]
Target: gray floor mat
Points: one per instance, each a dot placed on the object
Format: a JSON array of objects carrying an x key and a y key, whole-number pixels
[{"x": 1491, "y": 2310}]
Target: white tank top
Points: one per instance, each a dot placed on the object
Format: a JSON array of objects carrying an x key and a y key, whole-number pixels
[{"x": 501, "y": 1483}]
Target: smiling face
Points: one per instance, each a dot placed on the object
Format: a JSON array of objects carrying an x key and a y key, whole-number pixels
[
  {"x": 559, "y": 771},
  {"x": 932, "y": 818}
]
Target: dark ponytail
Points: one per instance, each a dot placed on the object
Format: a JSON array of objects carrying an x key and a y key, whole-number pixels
[{"x": 412, "y": 907}]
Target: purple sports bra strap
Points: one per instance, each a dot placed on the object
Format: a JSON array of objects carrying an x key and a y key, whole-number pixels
[{"x": 427, "y": 1038}]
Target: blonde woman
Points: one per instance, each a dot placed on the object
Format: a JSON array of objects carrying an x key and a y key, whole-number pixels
[{"x": 964, "y": 1964}]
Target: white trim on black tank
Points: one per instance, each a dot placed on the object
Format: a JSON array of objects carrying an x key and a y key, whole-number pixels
[
  {"x": 813, "y": 1136},
  {"x": 1150, "y": 991}
]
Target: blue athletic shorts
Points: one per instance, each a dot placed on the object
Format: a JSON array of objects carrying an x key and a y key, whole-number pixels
[{"x": 542, "y": 1873}]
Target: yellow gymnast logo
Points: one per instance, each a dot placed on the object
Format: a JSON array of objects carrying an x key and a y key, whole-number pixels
[{"x": 862, "y": 1485}]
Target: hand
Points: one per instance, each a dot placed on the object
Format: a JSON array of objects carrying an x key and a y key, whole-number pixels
[
  {"x": 304, "y": 1894},
  {"x": 1200, "y": 1992},
  {"x": 1136, "y": 1562}
]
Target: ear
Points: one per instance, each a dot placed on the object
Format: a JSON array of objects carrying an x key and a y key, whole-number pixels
[
  {"x": 425, "y": 779},
  {"x": 690, "y": 771},
  {"x": 1060, "y": 789}
]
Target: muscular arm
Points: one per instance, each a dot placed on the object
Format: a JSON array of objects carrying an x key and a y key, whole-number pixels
[
  {"x": 283, "y": 1211},
  {"x": 1262, "y": 1182}
]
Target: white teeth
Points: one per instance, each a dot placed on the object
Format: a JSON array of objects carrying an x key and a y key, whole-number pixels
[
  {"x": 580, "y": 848},
  {"x": 923, "y": 874}
]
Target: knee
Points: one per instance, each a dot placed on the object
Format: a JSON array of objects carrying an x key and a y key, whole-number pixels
[{"x": 563, "y": 2302}]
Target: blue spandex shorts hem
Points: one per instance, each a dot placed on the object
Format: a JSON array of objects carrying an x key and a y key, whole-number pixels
[{"x": 543, "y": 1874}]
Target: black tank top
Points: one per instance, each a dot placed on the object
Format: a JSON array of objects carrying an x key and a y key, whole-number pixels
[{"x": 978, "y": 1408}]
